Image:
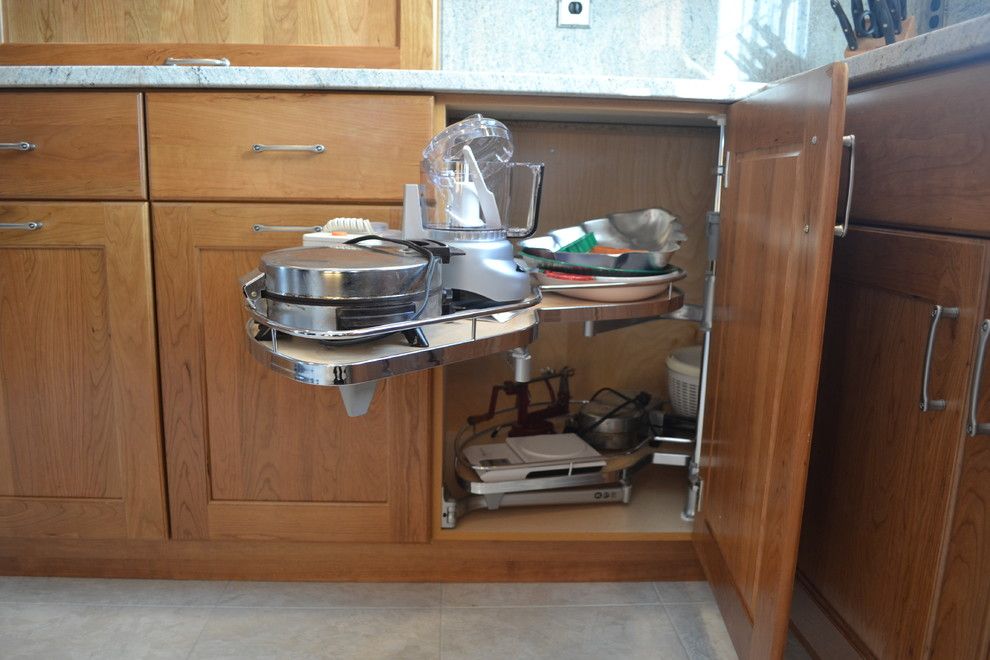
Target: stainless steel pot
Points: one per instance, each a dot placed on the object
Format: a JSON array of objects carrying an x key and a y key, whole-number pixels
[
  {"x": 343, "y": 287},
  {"x": 608, "y": 425}
]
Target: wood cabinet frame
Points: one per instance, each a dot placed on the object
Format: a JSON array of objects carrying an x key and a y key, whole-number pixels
[{"x": 416, "y": 48}]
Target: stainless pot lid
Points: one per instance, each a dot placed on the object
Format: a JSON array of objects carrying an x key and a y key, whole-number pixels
[
  {"x": 628, "y": 418},
  {"x": 345, "y": 272}
]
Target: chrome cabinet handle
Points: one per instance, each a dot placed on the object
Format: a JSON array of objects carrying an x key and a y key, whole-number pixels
[
  {"x": 314, "y": 148},
  {"x": 34, "y": 225},
  {"x": 264, "y": 228},
  {"x": 973, "y": 427},
  {"x": 848, "y": 142},
  {"x": 196, "y": 61},
  {"x": 938, "y": 313},
  {"x": 18, "y": 146}
]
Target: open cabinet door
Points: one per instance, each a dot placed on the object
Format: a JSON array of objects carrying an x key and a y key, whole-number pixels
[{"x": 778, "y": 216}]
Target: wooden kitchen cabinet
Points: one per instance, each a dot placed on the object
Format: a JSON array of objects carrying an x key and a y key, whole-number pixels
[
  {"x": 80, "y": 443},
  {"x": 883, "y": 471},
  {"x": 895, "y": 559},
  {"x": 256, "y": 461},
  {"x": 314, "y": 33},
  {"x": 362, "y": 147},
  {"x": 77, "y": 145},
  {"x": 254, "y": 455}
]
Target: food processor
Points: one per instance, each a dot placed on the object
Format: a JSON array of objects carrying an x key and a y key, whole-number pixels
[{"x": 464, "y": 201}]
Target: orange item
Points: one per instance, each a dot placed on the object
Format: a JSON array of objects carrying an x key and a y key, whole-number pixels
[{"x": 604, "y": 249}]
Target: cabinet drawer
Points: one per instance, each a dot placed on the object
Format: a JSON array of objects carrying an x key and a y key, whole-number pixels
[
  {"x": 202, "y": 146},
  {"x": 923, "y": 151},
  {"x": 85, "y": 145}
]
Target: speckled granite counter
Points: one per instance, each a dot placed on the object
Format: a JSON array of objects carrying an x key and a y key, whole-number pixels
[
  {"x": 372, "y": 80},
  {"x": 957, "y": 43},
  {"x": 960, "y": 42}
]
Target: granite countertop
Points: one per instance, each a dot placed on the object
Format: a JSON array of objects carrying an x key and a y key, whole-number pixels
[
  {"x": 392, "y": 80},
  {"x": 956, "y": 43}
]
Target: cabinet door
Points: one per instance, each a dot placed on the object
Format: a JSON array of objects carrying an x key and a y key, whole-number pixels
[
  {"x": 883, "y": 471},
  {"x": 962, "y": 620},
  {"x": 778, "y": 215},
  {"x": 80, "y": 446},
  {"x": 310, "y": 33},
  {"x": 255, "y": 455}
]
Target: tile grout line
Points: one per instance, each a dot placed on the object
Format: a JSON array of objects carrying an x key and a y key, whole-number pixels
[
  {"x": 443, "y": 598},
  {"x": 670, "y": 619},
  {"x": 677, "y": 632},
  {"x": 199, "y": 635}
]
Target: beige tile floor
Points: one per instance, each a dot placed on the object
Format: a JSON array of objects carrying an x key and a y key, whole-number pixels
[{"x": 55, "y": 618}]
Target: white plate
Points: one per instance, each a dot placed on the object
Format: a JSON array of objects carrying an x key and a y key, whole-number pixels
[{"x": 639, "y": 288}]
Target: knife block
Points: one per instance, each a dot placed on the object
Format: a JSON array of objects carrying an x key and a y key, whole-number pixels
[{"x": 909, "y": 28}]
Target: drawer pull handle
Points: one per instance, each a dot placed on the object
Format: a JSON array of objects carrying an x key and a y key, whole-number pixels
[
  {"x": 938, "y": 313},
  {"x": 848, "y": 142},
  {"x": 18, "y": 146},
  {"x": 197, "y": 61},
  {"x": 313, "y": 148},
  {"x": 34, "y": 225},
  {"x": 263, "y": 228},
  {"x": 974, "y": 427}
]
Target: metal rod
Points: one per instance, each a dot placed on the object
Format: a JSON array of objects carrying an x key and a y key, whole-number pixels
[
  {"x": 848, "y": 142},
  {"x": 196, "y": 61},
  {"x": 34, "y": 225},
  {"x": 973, "y": 427},
  {"x": 285, "y": 228},
  {"x": 314, "y": 148},
  {"x": 938, "y": 312},
  {"x": 18, "y": 146},
  {"x": 693, "y": 502},
  {"x": 674, "y": 276}
]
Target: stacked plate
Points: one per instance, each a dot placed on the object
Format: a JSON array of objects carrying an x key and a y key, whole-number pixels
[{"x": 620, "y": 258}]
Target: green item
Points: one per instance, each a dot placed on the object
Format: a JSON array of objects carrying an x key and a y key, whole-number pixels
[
  {"x": 565, "y": 267},
  {"x": 583, "y": 244}
]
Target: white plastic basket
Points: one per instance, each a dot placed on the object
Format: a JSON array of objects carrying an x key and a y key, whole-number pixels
[{"x": 684, "y": 380}]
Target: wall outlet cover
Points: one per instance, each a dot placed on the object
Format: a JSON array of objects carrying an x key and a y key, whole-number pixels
[{"x": 574, "y": 13}]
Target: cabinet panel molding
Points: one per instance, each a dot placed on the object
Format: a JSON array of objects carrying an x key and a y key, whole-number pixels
[
  {"x": 254, "y": 455},
  {"x": 79, "y": 416}
]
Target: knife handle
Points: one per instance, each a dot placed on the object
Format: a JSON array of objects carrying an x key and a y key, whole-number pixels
[
  {"x": 847, "y": 28},
  {"x": 885, "y": 22},
  {"x": 895, "y": 14}
]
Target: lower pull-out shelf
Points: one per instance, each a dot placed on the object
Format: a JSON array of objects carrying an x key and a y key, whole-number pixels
[
  {"x": 314, "y": 362},
  {"x": 558, "y": 308}
]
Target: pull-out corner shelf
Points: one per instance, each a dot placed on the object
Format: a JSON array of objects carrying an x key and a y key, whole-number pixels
[{"x": 310, "y": 360}]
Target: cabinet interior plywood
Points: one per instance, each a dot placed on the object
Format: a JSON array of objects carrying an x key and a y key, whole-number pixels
[{"x": 592, "y": 170}]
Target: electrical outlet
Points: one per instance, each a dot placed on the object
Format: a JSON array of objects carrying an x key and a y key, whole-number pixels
[{"x": 574, "y": 13}]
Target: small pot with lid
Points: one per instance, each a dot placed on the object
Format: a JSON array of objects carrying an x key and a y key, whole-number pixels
[
  {"x": 364, "y": 283},
  {"x": 612, "y": 420}
]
